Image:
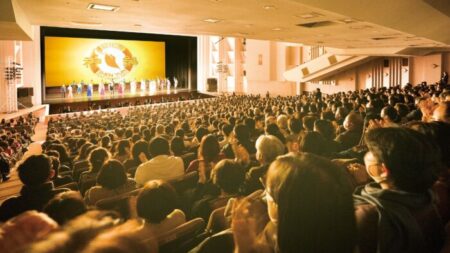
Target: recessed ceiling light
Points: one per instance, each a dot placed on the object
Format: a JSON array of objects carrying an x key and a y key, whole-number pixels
[
  {"x": 137, "y": 25},
  {"x": 86, "y": 23},
  {"x": 102, "y": 7},
  {"x": 309, "y": 15},
  {"x": 211, "y": 20},
  {"x": 269, "y": 7},
  {"x": 276, "y": 29}
]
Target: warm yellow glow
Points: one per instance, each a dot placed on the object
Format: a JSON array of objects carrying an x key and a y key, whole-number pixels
[{"x": 74, "y": 59}]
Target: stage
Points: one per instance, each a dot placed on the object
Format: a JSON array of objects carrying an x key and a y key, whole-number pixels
[{"x": 59, "y": 104}]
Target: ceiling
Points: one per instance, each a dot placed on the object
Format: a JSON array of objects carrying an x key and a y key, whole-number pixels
[{"x": 333, "y": 23}]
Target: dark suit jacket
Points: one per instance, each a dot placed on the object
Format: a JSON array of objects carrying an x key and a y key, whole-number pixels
[{"x": 31, "y": 198}]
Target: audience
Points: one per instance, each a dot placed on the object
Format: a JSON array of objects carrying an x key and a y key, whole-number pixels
[{"x": 237, "y": 178}]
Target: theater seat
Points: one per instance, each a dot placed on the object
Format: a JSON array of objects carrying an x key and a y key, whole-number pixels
[
  {"x": 185, "y": 182},
  {"x": 183, "y": 238},
  {"x": 217, "y": 221},
  {"x": 120, "y": 204}
]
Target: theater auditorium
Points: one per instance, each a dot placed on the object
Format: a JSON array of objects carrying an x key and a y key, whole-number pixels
[{"x": 224, "y": 126}]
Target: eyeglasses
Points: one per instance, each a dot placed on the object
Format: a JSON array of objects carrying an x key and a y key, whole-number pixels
[{"x": 266, "y": 193}]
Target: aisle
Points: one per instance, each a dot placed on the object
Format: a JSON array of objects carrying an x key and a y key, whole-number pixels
[{"x": 12, "y": 186}]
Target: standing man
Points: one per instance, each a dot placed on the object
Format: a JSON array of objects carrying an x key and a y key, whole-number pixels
[{"x": 63, "y": 90}]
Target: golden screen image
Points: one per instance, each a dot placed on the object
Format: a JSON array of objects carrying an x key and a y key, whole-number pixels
[{"x": 70, "y": 60}]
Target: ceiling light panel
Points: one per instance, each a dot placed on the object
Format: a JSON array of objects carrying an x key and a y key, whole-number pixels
[{"x": 102, "y": 7}]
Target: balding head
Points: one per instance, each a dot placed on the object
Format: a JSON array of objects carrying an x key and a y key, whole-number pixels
[{"x": 353, "y": 121}]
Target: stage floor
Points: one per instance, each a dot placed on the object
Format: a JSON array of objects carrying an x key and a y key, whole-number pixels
[{"x": 58, "y": 98}]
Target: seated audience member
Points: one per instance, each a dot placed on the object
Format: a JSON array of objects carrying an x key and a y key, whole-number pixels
[
  {"x": 389, "y": 117},
  {"x": 308, "y": 123},
  {"x": 36, "y": 174},
  {"x": 310, "y": 208},
  {"x": 396, "y": 213},
  {"x": 64, "y": 158},
  {"x": 65, "y": 206},
  {"x": 268, "y": 147},
  {"x": 140, "y": 154},
  {"x": 442, "y": 112},
  {"x": 24, "y": 229},
  {"x": 440, "y": 133},
  {"x": 228, "y": 177},
  {"x": 112, "y": 180},
  {"x": 162, "y": 166},
  {"x": 157, "y": 205},
  {"x": 226, "y": 132},
  {"x": 208, "y": 153},
  {"x": 327, "y": 130},
  {"x": 353, "y": 125},
  {"x": 57, "y": 179},
  {"x": 272, "y": 129},
  {"x": 96, "y": 160},
  {"x": 315, "y": 143},
  {"x": 82, "y": 162},
  {"x": 123, "y": 151},
  {"x": 178, "y": 148}
]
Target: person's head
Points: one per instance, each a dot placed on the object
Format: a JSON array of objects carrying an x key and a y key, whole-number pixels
[
  {"x": 65, "y": 206},
  {"x": 63, "y": 155},
  {"x": 282, "y": 122},
  {"x": 156, "y": 200},
  {"x": 241, "y": 133},
  {"x": 389, "y": 114},
  {"x": 308, "y": 123},
  {"x": 159, "y": 146},
  {"x": 227, "y": 129},
  {"x": 201, "y": 131},
  {"x": 106, "y": 142},
  {"x": 313, "y": 142},
  {"x": 97, "y": 158},
  {"x": 228, "y": 175},
  {"x": 325, "y": 128},
  {"x": 442, "y": 112},
  {"x": 177, "y": 146},
  {"x": 83, "y": 151},
  {"x": 140, "y": 152},
  {"x": 119, "y": 240},
  {"x": 310, "y": 200},
  {"x": 123, "y": 147},
  {"x": 209, "y": 148},
  {"x": 268, "y": 147},
  {"x": 401, "y": 158},
  {"x": 35, "y": 170},
  {"x": 353, "y": 122},
  {"x": 295, "y": 125},
  {"x": 112, "y": 175}
]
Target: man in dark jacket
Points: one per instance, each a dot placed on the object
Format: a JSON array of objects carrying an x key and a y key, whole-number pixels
[
  {"x": 396, "y": 213},
  {"x": 36, "y": 174}
]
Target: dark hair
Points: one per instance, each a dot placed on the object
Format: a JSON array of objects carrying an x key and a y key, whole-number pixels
[
  {"x": 156, "y": 200},
  {"x": 407, "y": 154},
  {"x": 295, "y": 125},
  {"x": 138, "y": 148},
  {"x": 390, "y": 112},
  {"x": 227, "y": 129},
  {"x": 228, "y": 175},
  {"x": 209, "y": 148},
  {"x": 439, "y": 132},
  {"x": 308, "y": 122},
  {"x": 201, "y": 131},
  {"x": 313, "y": 142},
  {"x": 112, "y": 174},
  {"x": 177, "y": 146},
  {"x": 83, "y": 151},
  {"x": 122, "y": 146},
  {"x": 106, "y": 141},
  {"x": 315, "y": 206},
  {"x": 325, "y": 128},
  {"x": 63, "y": 155},
  {"x": 35, "y": 170},
  {"x": 97, "y": 158},
  {"x": 273, "y": 129},
  {"x": 159, "y": 146},
  {"x": 65, "y": 206}
]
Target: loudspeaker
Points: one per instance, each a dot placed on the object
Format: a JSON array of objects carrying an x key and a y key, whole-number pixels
[{"x": 211, "y": 85}]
